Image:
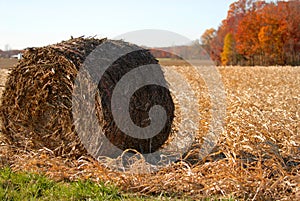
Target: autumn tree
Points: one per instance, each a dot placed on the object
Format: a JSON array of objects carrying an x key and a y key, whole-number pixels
[
  {"x": 235, "y": 13},
  {"x": 206, "y": 39},
  {"x": 228, "y": 56},
  {"x": 247, "y": 43},
  {"x": 217, "y": 44},
  {"x": 292, "y": 43},
  {"x": 258, "y": 33}
]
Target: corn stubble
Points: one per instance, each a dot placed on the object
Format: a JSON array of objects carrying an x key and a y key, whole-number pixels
[{"x": 257, "y": 156}]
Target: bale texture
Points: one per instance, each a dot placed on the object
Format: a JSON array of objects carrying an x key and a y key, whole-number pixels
[{"x": 36, "y": 108}]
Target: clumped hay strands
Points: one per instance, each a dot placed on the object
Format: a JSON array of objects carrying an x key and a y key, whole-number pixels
[
  {"x": 36, "y": 103},
  {"x": 36, "y": 108}
]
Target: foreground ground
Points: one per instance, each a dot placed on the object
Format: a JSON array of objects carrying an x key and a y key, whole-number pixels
[{"x": 257, "y": 156}]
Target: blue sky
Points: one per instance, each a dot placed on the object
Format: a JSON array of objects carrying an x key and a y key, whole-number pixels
[{"x": 38, "y": 23}]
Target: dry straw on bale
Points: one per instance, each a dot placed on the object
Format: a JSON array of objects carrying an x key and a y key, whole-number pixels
[{"x": 37, "y": 102}]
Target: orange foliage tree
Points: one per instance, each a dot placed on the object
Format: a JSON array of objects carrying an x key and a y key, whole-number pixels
[
  {"x": 264, "y": 33},
  {"x": 228, "y": 54}
]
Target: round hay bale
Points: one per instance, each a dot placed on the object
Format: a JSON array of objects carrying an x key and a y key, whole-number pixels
[{"x": 36, "y": 108}]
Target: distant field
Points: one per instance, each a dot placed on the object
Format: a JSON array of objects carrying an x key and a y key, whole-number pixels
[
  {"x": 179, "y": 62},
  {"x": 7, "y": 63}
]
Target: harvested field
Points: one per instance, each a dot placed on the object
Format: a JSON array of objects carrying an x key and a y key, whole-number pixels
[
  {"x": 179, "y": 62},
  {"x": 257, "y": 157},
  {"x": 3, "y": 75},
  {"x": 6, "y": 63}
]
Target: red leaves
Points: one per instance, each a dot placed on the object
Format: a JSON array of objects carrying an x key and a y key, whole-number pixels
[{"x": 265, "y": 33}]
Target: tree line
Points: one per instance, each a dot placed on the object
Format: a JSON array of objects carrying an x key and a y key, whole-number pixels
[{"x": 256, "y": 33}]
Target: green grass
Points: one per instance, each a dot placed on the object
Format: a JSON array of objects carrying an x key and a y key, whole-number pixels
[{"x": 30, "y": 186}]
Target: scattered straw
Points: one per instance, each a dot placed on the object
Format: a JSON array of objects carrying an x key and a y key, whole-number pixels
[{"x": 257, "y": 157}]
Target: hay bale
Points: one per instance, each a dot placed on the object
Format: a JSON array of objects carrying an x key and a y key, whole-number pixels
[{"x": 36, "y": 108}]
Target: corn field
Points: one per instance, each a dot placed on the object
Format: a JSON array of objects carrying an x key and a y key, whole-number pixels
[{"x": 257, "y": 156}]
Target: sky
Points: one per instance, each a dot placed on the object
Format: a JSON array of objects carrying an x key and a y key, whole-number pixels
[{"x": 34, "y": 23}]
